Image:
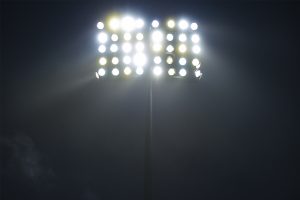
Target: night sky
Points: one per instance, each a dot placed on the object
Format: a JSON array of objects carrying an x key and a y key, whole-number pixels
[{"x": 231, "y": 135}]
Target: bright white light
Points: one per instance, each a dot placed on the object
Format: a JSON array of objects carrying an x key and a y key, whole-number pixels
[
  {"x": 102, "y": 48},
  {"x": 170, "y": 48},
  {"x": 198, "y": 73},
  {"x": 182, "y": 48},
  {"x": 114, "y": 24},
  {"x": 114, "y": 37},
  {"x": 196, "y": 49},
  {"x": 195, "y": 62},
  {"x": 114, "y": 48},
  {"x": 127, "y": 60},
  {"x": 194, "y": 26},
  {"x": 140, "y": 46},
  {"x": 157, "y": 36},
  {"x": 102, "y": 37},
  {"x": 128, "y": 23},
  {"x": 170, "y": 37},
  {"x": 156, "y": 47},
  {"x": 183, "y": 24},
  {"x": 139, "y": 70},
  {"x": 127, "y": 71},
  {"x": 171, "y": 71},
  {"x": 157, "y": 70},
  {"x": 169, "y": 60},
  {"x": 182, "y": 72},
  {"x": 139, "y": 23},
  {"x": 155, "y": 24},
  {"x": 102, "y": 61},
  {"x": 127, "y": 47},
  {"x": 101, "y": 72},
  {"x": 139, "y": 59},
  {"x": 182, "y": 37},
  {"x": 171, "y": 23},
  {"x": 139, "y": 36},
  {"x": 195, "y": 38},
  {"x": 182, "y": 61},
  {"x": 115, "y": 72},
  {"x": 157, "y": 60},
  {"x": 100, "y": 25},
  {"x": 127, "y": 36},
  {"x": 115, "y": 60}
]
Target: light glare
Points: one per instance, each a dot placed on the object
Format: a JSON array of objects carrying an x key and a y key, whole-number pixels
[
  {"x": 140, "y": 46},
  {"x": 128, "y": 23},
  {"x": 127, "y": 47},
  {"x": 114, "y": 24},
  {"x": 139, "y": 23},
  {"x": 157, "y": 36},
  {"x": 196, "y": 49},
  {"x": 139, "y": 59}
]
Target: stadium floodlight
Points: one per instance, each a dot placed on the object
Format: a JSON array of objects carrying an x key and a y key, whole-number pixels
[
  {"x": 157, "y": 70},
  {"x": 194, "y": 26},
  {"x": 127, "y": 71},
  {"x": 155, "y": 23}
]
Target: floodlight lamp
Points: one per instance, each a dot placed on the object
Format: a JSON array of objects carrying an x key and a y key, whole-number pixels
[
  {"x": 128, "y": 23},
  {"x": 114, "y": 24},
  {"x": 157, "y": 36},
  {"x": 183, "y": 24},
  {"x": 195, "y": 62},
  {"x": 127, "y": 36},
  {"x": 182, "y": 61},
  {"x": 139, "y": 71},
  {"x": 114, "y": 48},
  {"x": 102, "y": 48},
  {"x": 127, "y": 47},
  {"x": 139, "y": 23},
  {"x": 102, "y": 61},
  {"x": 182, "y": 72},
  {"x": 127, "y": 60},
  {"x": 114, "y": 37},
  {"x": 157, "y": 60},
  {"x": 115, "y": 60},
  {"x": 101, "y": 72},
  {"x": 139, "y": 59},
  {"x": 170, "y": 37},
  {"x": 182, "y": 37},
  {"x": 196, "y": 49},
  {"x": 171, "y": 23},
  {"x": 139, "y": 46},
  {"x": 195, "y": 38},
  {"x": 170, "y": 48},
  {"x": 139, "y": 36},
  {"x": 198, "y": 73},
  {"x": 171, "y": 71},
  {"x": 127, "y": 71},
  {"x": 102, "y": 37},
  {"x": 169, "y": 60},
  {"x": 100, "y": 25},
  {"x": 155, "y": 23},
  {"x": 115, "y": 72},
  {"x": 194, "y": 26},
  {"x": 157, "y": 70},
  {"x": 182, "y": 48},
  {"x": 157, "y": 47}
]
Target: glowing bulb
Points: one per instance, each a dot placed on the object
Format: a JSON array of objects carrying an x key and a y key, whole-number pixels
[
  {"x": 114, "y": 37},
  {"x": 183, "y": 24},
  {"x": 196, "y": 62},
  {"x": 170, "y": 48},
  {"x": 128, "y": 23},
  {"x": 127, "y": 36},
  {"x": 157, "y": 47},
  {"x": 157, "y": 36},
  {"x": 198, "y": 73},
  {"x": 115, "y": 72},
  {"x": 169, "y": 60},
  {"x": 139, "y": 71},
  {"x": 170, "y": 37},
  {"x": 127, "y": 71},
  {"x": 114, "y": 48},
  {"x": 102, "y": 37},
  {"x": 194, "y": 26},
  {"x": 182, "y": 72},
  {"x": 102, "y": 61},
  {"x": 115, "y": 60},
  {"x": 182, "y": 37},
  {"x": 140, "y": 46},
  {"x": 196, "y": 49},
  {"x": 127, "y": 60},
  {"x": 127, "y": 47},
  {"x": 101, "y": 72},
  {"x": 155, "y": 24},
  {"x": 171, "y": 23},
  {"x": 182, "y": 61},
  {"x": 102, "y": 48},
  {"x": 157, "y": 60},
  {"x": 182, "y": 48},
  {"x": 139, "y": 59},
  {"x": 114, "y": 24},
  {"x": 157, "y": 70},
  {"x": 139, "y": 36},
  {"x": 139, "y": 23},
  {"x": 171, "y": 71},
  {"x": 100, "y": 25},
  {"x": 195, "y": 38}
]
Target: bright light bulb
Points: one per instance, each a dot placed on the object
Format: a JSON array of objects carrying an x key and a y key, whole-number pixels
[
  {"x": 196, "y": 49},
  {"x": 169, "y": 60},
  {"x": 157, "y": 60},
  {"x": 139, "y": 70},
  {"x": 183, "y": 24},
  {"x": 140, "y": 46},
  {"x": 182, "y": 37},
  {"x": 100, "y": 25},
  {"x": 115, "y": 72},
  {"x": 139, "y": 36},
  {"x": 127, "y": 60},
  {"x": 139, "y": 59},
  {"x": 194, "y": 26},
  {"x": 195, "y": 38},
  {"x": 170, "y": 37},
  {"x": 114, "y": 48},
  {"x": 114, "y": 24},
  {"x": 182, "y": 72},
  {"x": 139, "y": 23},
  {"x": 198, "y": 73},
  {"x": 115, "y": 60},
  {"x": 102, "y": 61},
  {"x": 155, "y": 24},
  {"x": 182, "y": 48},
  {"x": 171, "y": 71},
  {"x": 196, "y": 62},
  {"x": 157, "y": 36},
  {"x": 170, "y": 48},
  {"x": 127, "y": 71},
  {"x": 128, "y": 23},
  {"x": 114, "y": 37},
  {"x": 156, "y": 47},
  {"x": 101, "y": 72},
  {"x": 127, "y": 47},
  {"x": 127, "y": 36},
  {"x": 171, "y": 23},
  {"x": 102, "y": 48},
  {"x": 102, "y": 37},
  {"x": 157, "y": 70},
  {"x": 182, "y": 61}
]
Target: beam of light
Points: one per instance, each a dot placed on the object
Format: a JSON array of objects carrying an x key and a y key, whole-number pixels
[{"x": 182, "y": 72}]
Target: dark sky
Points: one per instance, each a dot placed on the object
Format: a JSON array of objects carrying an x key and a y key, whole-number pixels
[{"x": 231, "y": 135}]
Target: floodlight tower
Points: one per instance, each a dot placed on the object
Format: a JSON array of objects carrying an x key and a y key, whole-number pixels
[{"x": 128, "y": 47}]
